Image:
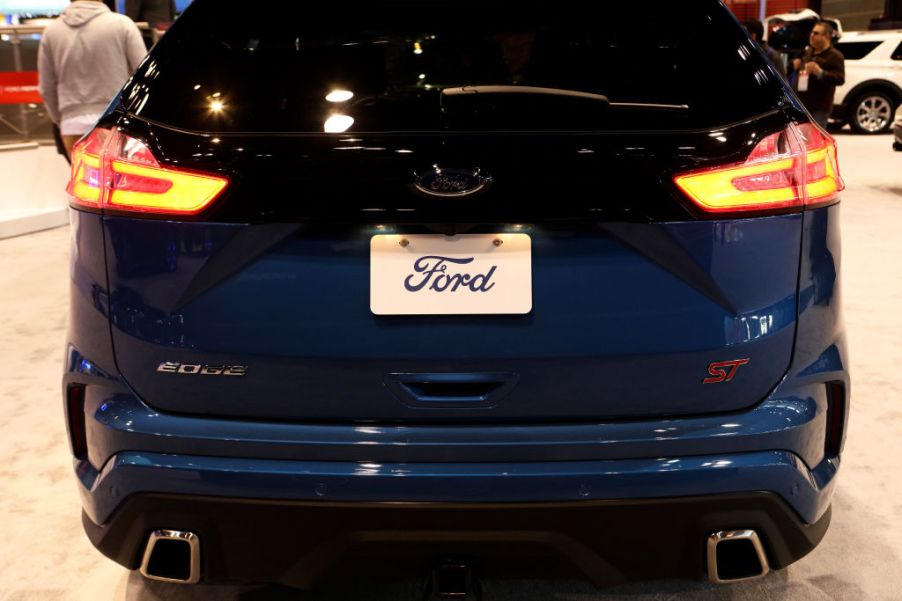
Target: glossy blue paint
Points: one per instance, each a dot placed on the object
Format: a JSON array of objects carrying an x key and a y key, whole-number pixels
[
  {"x": 820, "y": 323},
  {"x": 618, "y": 330},
  {"x": 89, "y": 324},
  {"x": 792, "y": 421},
  {"x": 775, "y": 444},
  {"x": 133, "y": 472}
]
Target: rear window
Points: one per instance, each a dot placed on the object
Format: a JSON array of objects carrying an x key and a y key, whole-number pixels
[
  {"x": 453, "y": 66},
  {"x": 854, "y": 51}
]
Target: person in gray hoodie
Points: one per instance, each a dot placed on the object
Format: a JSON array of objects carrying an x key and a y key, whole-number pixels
[{"x": 85, "y": 57}]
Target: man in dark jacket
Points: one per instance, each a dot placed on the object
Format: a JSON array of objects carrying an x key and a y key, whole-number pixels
[
  {"x": 756, "y": 32},
  {"x": 818, "y": 72},
  {"x": 158, "y": 13}
]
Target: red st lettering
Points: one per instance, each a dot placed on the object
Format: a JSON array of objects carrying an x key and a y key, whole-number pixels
[{"x": 723, "y": 371}]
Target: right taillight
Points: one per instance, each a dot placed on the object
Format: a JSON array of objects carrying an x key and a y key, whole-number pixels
[
  {"x": 115, "y": 171},
  {"x": 792, "y": 169}
]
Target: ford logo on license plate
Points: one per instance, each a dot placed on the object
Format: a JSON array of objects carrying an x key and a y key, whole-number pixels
[{"x": 467, "y": 274}]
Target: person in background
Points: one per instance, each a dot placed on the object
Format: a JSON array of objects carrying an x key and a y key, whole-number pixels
[
  {"x": 818, "y": 72},
  {"x": 756, "y": 32},
  {"x": 159, "y": 14},
  {"x": 85, "y": 56}
]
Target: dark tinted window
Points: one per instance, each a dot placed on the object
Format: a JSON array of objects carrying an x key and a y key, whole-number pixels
[
  {"x": 897, "y": 53},
  {"x": 854, "y": 51},
  {"x": 455, "y": 66}
]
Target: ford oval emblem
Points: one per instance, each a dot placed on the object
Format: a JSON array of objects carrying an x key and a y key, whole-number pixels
[{"x": 451, "y": 183}]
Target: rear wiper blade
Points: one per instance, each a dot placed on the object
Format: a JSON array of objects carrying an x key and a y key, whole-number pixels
[
  {"x": 650, "y": 106},
  {"x": 503, "y": 89},
  {"x": 474, "y": 90}
]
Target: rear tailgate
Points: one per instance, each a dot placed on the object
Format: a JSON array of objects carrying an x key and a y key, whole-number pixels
[
  {"x": 624, "y": 316},
  {"x": 623, "y": 302}
]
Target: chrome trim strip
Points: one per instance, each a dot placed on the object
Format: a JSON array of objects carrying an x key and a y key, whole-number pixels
[{"x": 19, "y": 146}]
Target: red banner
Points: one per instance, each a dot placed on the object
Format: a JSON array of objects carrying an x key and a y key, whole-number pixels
[
  {"x": 19, "y": 87},
  {"x": 751, "y": 9}
]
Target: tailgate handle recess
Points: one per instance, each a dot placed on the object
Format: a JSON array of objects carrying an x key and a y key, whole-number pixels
[{"x": 451, "y": 390}]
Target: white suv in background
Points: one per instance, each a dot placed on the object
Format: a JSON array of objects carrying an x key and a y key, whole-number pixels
[{"x": 873, "y": 88}]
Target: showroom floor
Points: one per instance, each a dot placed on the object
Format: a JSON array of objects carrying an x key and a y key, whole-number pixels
[{"x": 45, "y": 556}]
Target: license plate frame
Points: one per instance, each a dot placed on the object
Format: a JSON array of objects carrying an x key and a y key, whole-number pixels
[{"x": 466, "y": 274}]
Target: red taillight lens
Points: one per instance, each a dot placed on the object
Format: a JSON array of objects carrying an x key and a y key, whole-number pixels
[
  {"x": 790, "y": 169},
  {"x": 85, "y": 184},
  {"x": 823, "y": 180},
  {"x": 115, "y": 171}
]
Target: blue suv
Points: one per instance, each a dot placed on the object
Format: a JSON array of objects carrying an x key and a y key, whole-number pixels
[{"x": 454, "y": 288}]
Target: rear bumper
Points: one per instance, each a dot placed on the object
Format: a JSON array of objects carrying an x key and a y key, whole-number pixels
[
  {"x": 132, "y": 473},
  {"x": 276, "y": 487},
  {"x": 302, "y": 543},
  {"x": 777, "y": 446},
  {"x": 296, "y": 503}
]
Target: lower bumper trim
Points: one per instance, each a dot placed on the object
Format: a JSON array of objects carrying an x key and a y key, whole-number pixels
[{"x": 607, "y": 542}]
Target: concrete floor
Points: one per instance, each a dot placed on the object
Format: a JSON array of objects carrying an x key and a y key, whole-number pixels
[{"x": 45, "y": 556}]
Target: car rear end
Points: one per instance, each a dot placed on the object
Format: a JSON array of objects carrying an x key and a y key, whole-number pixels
[{"x": 423, "y": 283}]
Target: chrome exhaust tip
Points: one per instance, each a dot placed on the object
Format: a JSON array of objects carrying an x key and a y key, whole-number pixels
[
  {"x": 735, "y": 555},
  {"x": 453, "y": 580},
  {"x": 172, "y": 556}
]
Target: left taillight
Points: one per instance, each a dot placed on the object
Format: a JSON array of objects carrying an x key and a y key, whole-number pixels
[
  {"x": 116, "y": 171},
  {"x": 792, "y": 169}
]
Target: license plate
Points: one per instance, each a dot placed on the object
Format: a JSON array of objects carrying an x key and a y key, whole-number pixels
[{"x": 469, "y": 274}]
